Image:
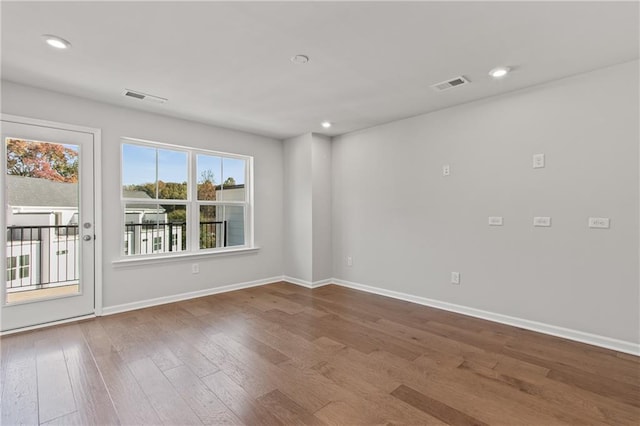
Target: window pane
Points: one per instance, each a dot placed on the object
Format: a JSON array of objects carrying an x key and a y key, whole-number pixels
[
  {"x": 138, "y": 171},
  {"x": 24, "y": 272},
  {"x": 153, "y": 228},
  {"x": 174, "y": 228},
  {"x": 233, "y": 182},
  {"x": 210, "y": 228},
  {"x": 209, "y": 175},
  {"x": 172, "y": 175},
  {"x": 234, "y": 223},
  {"x": 153, "y": 176}
]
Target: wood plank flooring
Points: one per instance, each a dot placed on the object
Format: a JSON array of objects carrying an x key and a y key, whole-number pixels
[{"x": 283, "y": 354}]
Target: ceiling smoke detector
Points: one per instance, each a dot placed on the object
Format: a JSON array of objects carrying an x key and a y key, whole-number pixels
[
  {"x": 299, "y": 59},
  {"x": 450, "y": 84},
  {"x": 144, "y": 96}
]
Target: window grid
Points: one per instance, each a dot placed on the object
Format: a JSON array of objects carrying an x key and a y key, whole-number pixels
[{"x": 194, "y": 229}]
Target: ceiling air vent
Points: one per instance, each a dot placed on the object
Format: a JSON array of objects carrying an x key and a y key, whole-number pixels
[
  {"x": 144, "y": 96},
  {"x": 449, "y": 84}
]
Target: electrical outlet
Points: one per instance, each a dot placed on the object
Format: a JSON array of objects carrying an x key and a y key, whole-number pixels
[
  {"x": 495, "y": 220},
  {"x": 543, "y": 221},
  {"x": 538, "y": 161},
  {"x": 195, "y": 268},
  {"x": 349, "y": 261},
  {"x": 599, "y": 222},
  {"x": 455, "y": 278},
  {"x": 446, "y": 170}
]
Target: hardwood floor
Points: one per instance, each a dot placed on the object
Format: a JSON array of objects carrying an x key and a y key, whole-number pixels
[{"x": 283, "y": 354}]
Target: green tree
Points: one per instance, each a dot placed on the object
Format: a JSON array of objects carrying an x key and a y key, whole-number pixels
[{"x": 172, "y": 190}]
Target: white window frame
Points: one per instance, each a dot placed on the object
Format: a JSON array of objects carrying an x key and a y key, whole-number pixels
[{"x": 192, "y": 204}]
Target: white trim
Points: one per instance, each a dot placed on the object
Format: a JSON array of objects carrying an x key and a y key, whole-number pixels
[
  {"x": 307, "y": 284},
  {"x": 110, "y": 310},
  {"x": 168, "y": 257},
  {"x": 44, "y": 123},
  {"x": 97, "y": 194},
  {"x": 46, "y": 324},
  {"x": 191, "y": 203},
  {"x": 566, "y": 333},
  {"x": 97, "y": 217}
]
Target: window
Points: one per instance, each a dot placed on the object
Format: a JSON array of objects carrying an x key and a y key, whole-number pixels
[
  {"x": 157, "y": 244},
  {"x": 17, "y": 267},
  {"x": 12, "y": 264},
  {"x": 177, "y": 199}
]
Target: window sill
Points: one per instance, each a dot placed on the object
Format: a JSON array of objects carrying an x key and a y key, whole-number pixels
[{"x": 148, "y": 260}]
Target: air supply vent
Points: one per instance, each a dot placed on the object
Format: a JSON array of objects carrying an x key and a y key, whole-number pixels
[
  {"x": 144, "y": 96},
  {"x": 450, "y": 84}
]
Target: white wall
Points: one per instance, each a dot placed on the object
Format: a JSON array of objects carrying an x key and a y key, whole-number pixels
[
  {"x": 321, "y": 208},
  {"x": 307, "y": 232},
  {"x": 298, "y": 230},
  {"x": 407, "y": 227},
  {"x": 136, "y": 283}
]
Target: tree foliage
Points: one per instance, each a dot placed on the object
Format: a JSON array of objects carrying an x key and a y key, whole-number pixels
[
  {"x": 207, "y": 186},
  {"x": 42, "y": 160},
  {"x": 166, "y": 190},
  {"x": 178, "y": 191}
]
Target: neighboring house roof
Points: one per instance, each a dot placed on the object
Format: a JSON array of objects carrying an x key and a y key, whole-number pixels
[
  {"x": 134, "y": 194},
  {"x": 139, "y": 194},
  {"x": 33, "y": 192},
  {"x": 26, "y": 191}
]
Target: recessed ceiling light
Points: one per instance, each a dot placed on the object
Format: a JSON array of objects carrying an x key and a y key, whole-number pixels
[
  {"x": 55, "y": 41},
  {"x": 299, "y": 59},
  {"x": 326, "y": 124},
  {"x": 499, "y": 72}
]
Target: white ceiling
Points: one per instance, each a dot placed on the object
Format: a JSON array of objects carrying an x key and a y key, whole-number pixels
[{"x": 227, "y": 64}]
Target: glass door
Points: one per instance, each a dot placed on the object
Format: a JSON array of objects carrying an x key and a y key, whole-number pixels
[{"x": 48, "y": 238}]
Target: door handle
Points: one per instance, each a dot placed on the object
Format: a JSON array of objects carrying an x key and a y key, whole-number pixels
[{"x": 87, "y": 238}]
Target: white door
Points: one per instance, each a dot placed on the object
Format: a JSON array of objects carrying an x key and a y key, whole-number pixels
[{"x": 48, "y": 249}]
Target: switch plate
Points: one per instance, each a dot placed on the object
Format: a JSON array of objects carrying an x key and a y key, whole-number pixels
[
  {"x": 195, "y": 268},
  {"x": 538, "y": 161},
  {"x": 349, "y": 261},
  {"x": 599, "y": 222},
  {"x": 495, "y": 220},
  {"x": 542, "y": 221},
  {"x": 455, "y": 278},
  {"x": 446, "y": 170}
]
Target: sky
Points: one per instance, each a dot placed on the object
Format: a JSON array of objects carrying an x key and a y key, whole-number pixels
[{"x": 139, "y": 166}]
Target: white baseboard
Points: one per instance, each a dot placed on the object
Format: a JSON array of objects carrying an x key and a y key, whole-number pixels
[
  {"x": 110, "y": 310},
  {"x": 307, "y": 284},
  {"x": 579, "y": 336}
]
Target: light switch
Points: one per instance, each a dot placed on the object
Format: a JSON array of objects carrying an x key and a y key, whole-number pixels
[
  {"x": 495, "y": 220},
  {"x": 446, "y": 170},
  {"x": 538, "y": 161},
  {"x": 542, "y": 221},
  {"x": 455, "y": 278},
  {"x": 599, "y": 222}
]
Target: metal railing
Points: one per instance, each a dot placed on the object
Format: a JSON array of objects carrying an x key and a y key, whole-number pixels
[
  {"x": 163, "y": 237},
  {"x": 47, "y": 255},
  {"x": 39, "y": 256}
]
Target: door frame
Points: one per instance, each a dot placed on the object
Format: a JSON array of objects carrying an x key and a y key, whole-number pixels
[{"x": 97, "y": 204}]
